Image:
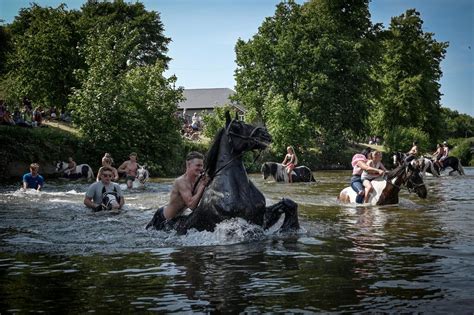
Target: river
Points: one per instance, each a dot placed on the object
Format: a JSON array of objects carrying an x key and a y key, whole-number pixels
[{"x": 418, "y": 256}]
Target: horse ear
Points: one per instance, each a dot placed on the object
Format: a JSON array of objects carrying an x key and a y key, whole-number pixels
[{"x": 227, "y": 118}]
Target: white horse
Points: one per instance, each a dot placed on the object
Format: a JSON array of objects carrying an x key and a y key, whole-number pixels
[
  {"x": 426, "y": 164},
  {"x": 81, "y": 171},
  {"x": 140, "y": 180}
]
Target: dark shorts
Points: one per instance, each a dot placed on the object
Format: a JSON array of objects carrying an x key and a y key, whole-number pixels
[{"x": 132, "y": 178}]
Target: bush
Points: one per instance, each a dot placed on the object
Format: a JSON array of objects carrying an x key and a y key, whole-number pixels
[
  {"x": 462, "y": 149},
  {"x": 401, "y": 139}
]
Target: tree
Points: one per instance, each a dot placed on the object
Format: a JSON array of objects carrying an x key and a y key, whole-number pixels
[
  {"x": 409, "y": 79},
  {"x": 44, "y": 55},
  {"x": 123, "y": 110},
  {"x": 151, "y": 44},
  {"x": 456, "y": 125},
  {"x": 318, "y": 54}
]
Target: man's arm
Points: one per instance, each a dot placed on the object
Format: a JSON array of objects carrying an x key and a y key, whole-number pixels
[
  {"x": 25, "y": 185},
  {"x": 189, "y": 199},
  {"x": 89, "y": 203},
  {"x": 123, "y": 166}
]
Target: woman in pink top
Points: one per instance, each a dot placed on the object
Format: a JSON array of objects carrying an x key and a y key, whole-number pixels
[{"x": 359, "y": 164}]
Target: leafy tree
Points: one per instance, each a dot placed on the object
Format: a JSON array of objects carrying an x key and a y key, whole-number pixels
[
  {"x": 409, "y": 78},
  {"x": 401, "y": 139},
  {"x": 5, "y": 46},
  {"x": 214, "y": 121},
  {"x": 318, "y": 54},
  {"x": 44, "y": 55},
  {"x": 150, "y": 43},
  {"x": 456, "y": 125},
  {"x": 123, "y": 110},
  {"x": 286, "y": 124}
]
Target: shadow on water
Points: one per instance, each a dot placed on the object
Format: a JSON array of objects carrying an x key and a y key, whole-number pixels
[{"x": 56, "y": 256}]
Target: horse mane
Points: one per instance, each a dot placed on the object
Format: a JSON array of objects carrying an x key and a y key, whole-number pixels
[
  {"x": 396, "y": 172},
  {"x": 212, "y": 154}
]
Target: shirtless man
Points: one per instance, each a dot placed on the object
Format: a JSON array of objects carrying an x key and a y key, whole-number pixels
[
  {"x": 181, "y": 196},
  {"x": 130, "y": 168}
]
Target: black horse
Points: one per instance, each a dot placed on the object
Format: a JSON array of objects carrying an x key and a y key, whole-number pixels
[
  {"x": 278, "y": 172},
  {"x": 452, "y": 162},
  {"x": 231, "y": 193},
  {"x": 386, "y": 191}
]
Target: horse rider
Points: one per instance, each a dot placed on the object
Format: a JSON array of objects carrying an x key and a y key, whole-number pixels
[
  {"x": 446, "y": 152},
  {"x": 438, "y": 154},
  {"x": 359, "y": 164},
  {"x": 71, "y": 166},
  {"x": 290, "y": 162},
  {"x": 413, "y": 153},
  {"x": 182, "y": 196}
]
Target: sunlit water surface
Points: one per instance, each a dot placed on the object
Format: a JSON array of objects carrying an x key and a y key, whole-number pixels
[{"x": 418, "y": 256}]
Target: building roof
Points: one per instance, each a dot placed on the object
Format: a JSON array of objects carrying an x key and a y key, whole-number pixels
[{"x": 206, "y": 98}]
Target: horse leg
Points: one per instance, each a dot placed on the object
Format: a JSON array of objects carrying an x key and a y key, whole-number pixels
[{"x": 274, "y": 212}]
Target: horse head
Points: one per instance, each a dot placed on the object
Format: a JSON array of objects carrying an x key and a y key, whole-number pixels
[
  {"x": 60, "y": 166},
  {"x": 414, "y": 180},
  {"x": 244, "y": 137},
  {"x": 398, "y": 158},
  {"x": 142, "y": 174}
]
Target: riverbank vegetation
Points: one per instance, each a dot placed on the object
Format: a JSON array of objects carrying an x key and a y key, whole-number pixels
[{"x": 320, "y": 76}]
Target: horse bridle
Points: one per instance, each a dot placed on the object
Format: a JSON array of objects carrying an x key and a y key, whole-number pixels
[
  {"x": 228, "y": 133},
  {"x": 409, "y": 180}
]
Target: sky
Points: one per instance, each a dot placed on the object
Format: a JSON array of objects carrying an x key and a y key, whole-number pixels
[{"x": 204, "y": 33}]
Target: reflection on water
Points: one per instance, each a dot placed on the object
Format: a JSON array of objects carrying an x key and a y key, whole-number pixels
[{"x": 57, "y": 256}]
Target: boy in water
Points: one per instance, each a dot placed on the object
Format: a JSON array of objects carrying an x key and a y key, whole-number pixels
[{"x": 33, "y": 179}]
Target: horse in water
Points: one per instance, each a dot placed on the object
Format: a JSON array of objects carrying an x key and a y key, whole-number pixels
[
  {"x": 230, "y": 192},
  {"x": 452, "y": 162},
  {"x": 81, "y": 171},
  {"x": 427, "y": 165},
  {"x": 386, "y": 191},
  {"x": 279, "y": 173},
  {"x": 140, "y": 180}
]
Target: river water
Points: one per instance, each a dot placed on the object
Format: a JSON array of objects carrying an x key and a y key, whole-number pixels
[{"x": 58, "y": 257}]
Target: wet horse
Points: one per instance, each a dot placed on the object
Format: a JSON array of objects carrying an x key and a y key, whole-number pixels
[
  {"x": 386, "y": 191},
  {"x": 452, "y": 162},
  {"x": 81, "y": 171},
  {"x": 279, "y": 173},
  {"x": 230, "y": 192},
  {"x": 140, "y": 180}
]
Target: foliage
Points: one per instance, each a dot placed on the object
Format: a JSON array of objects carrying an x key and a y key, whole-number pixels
[
  {"x": 5, "y": 47},
  {"x": 456, "y": 125},
  {"x": 44, "y": 55},
  {"x": 401, "y": 139},
  {"x": 214, "y": 121},
  {"x": 124, "y": 110},
  {"x": 286, "y": 124},
  {"x": 409, "y": 78},
  {"x": 318, "y": 54},
  {"x": 463, "y": 149},
  {"x": 150, "y": 43}
]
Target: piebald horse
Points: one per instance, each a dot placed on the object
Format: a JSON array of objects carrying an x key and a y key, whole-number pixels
[
  {"x": 386, "y": 191},
  {"x": 279, "y": 173},
  {"x": 81, "y": 171}
]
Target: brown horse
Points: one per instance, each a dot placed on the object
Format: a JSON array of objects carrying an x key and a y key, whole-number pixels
[{"x": 386, "y": 191}]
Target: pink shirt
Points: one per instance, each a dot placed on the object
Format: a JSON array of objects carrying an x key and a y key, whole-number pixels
[{"x": 356, "y": 158}]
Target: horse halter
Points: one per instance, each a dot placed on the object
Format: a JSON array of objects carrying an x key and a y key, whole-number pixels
[{"x": 230, "y": 133}]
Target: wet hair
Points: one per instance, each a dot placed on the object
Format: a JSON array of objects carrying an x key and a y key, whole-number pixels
[
  {"x": 194, "y": 155},
  {"x": 105, "y": 169},
  {"x": 34, "y": 165},
  {"x": 366, "y": 152},
  {"x": 133, "y": 154}
]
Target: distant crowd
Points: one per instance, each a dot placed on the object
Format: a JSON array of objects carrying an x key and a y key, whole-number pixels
[
  {"x": 191, "y": 125},
  {"x": 26, "y": 115}
]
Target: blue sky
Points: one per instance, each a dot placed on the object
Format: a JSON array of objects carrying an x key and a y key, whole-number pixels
[{"x": 204, "y": 33}]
